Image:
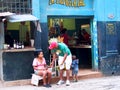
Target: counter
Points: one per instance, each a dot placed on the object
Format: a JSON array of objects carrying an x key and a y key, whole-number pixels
[
  {"x": 80, "y": 46},
  {"x": 16, "y": 64},
  {"x": 19, "y": 50}
]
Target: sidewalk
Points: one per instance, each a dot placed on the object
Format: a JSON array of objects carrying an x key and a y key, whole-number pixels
[
  {"x": 102, "y": 83},
  {"x": 83, "y": 74}
]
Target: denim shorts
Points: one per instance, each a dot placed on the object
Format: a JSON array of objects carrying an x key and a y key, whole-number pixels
[
  {"x": 74, "y": 71},
  {"x": 36, "y": 72}
]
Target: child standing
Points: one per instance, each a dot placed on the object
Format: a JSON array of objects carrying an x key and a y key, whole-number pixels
[{"x": 75, "y": 68}]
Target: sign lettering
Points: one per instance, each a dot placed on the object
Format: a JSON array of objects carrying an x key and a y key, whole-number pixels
[{"x": 69, "y": 3}]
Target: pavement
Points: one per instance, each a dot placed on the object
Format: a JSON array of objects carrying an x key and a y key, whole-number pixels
[{"x": 102, "y": 83}]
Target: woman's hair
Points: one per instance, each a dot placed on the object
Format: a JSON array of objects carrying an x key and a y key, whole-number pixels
[
  {"x": 37, "y": 52},
  {"x": 63, "y": 31}
]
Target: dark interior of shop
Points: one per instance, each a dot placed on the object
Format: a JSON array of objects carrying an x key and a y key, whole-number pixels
[
  {"x": 19, "y": 33},
  {"x": 79, "y": 45}
]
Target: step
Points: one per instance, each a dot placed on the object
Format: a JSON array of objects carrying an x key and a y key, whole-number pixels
[
  {"x": 81, "y": 76},
  {"x": 85, "y": 74}
]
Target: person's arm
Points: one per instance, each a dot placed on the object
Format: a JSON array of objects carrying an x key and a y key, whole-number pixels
[
  {"x": 53, "y": 59},
  {"x": 45, "y": 64},
  {"x": 34, "y": 64},
  {"x": 77, "y": 61},
  {"x": 35, "y": 67}
]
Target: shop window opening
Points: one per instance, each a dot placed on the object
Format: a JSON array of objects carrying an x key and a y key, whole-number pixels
[{"x": 79, "y": 41}]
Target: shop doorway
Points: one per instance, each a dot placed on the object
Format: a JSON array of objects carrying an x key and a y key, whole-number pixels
[{"x": 80, "y": 45}]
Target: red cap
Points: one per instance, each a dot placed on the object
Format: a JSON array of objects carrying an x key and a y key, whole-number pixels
[{"x": 53, "y": 45}]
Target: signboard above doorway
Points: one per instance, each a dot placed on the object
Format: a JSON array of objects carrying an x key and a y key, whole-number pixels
[{"x": 69, "y": 3}]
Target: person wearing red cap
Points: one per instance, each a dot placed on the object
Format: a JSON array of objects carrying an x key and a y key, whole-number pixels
[{"x": 64, "y": 59}]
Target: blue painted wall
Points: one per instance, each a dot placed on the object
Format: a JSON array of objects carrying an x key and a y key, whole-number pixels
[
  {"x": 107, "y": 12},
  {"x": 17, "y": 65},
  {"x": 102, "y": 11},
  {"x": 107, "y": 8},
  {"x": 106, "y": 47},
  {"x": 42, "y": 10}
]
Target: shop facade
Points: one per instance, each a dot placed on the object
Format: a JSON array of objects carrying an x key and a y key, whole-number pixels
[
  {"x": 17, "y": 29},
  {"x": 16, "y": 58},
  {"x": 99, "y": 17},
  {"x": 101, "y": 20}
]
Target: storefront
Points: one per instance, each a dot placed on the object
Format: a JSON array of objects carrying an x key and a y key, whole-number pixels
[
  {"x": 74, "y": 16},
  {"x": 16, "y": 49},
  {"x": 101, "y": 20}
]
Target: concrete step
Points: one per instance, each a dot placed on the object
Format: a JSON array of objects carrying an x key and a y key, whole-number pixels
[{"x": 83, "y": 74}]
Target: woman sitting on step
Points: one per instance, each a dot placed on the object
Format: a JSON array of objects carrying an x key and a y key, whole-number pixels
[{"x": 40, "y": 68}]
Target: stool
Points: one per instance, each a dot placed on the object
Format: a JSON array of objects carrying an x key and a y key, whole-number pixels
[{"x": 35, "y": 79}]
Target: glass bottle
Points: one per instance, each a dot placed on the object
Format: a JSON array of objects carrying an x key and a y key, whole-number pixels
[
  {"x": 22, "y": 45},
  {"x": 17, "y": 45},
  {"x": 14, "y": 44}
]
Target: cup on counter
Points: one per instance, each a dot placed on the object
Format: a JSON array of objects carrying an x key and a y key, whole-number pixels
[
  {"x": 6, "y": 46},
  {"x": 32, "y": 42}
]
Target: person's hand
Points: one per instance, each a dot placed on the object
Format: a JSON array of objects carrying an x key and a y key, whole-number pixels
[
  {"x": 62, "y": 63},
  {"x": 51, "y": 65},
  {"x": 46, "y": 67}
]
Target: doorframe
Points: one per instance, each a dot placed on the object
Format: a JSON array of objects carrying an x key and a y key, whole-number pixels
[{"x": 94, "y": 43}]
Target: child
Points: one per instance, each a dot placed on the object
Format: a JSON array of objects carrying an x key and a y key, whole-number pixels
[
  {"x": 40, "y": 68},
  {"x": 75, "y": 68}
]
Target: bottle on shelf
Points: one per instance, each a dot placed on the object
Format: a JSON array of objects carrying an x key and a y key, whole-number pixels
[
  {"x": 22, "y": 45},
  {"x": 14, "y": 44},
  {"x": 17, "y": 45}
]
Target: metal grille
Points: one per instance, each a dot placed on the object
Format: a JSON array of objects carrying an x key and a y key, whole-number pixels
[{"x": 16, "y": 6}]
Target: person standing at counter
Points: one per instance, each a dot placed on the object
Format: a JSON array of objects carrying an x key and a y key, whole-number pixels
[
  {"x": 65, "y": 36},
  {"x": 24, "y": 34},
  {"x": 64, "y": 59},
  {"x": 40, "y": 68},
  {"x": 86, "y": 36}
]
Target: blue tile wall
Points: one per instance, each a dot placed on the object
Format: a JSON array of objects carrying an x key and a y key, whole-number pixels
[
  {"x": 17, "y": 65},
  {"x": 101, "y": 38},
  {"x": 109, "y": 49}
]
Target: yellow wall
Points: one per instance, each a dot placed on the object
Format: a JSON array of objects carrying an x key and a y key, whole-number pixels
[
  {"x": 69, "y": 24},
  {"x": 15, "y": 26}
]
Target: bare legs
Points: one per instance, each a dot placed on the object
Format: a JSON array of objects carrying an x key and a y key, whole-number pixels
[
  {"x": 61, "y": 74},
  {"x": 46, "y": 74},
  {"x": 49, "y": 76},
  {"x": 67, "y": 74}
]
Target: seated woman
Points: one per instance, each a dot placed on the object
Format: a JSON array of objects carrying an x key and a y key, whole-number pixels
[{"x": 40, "y": 68}]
